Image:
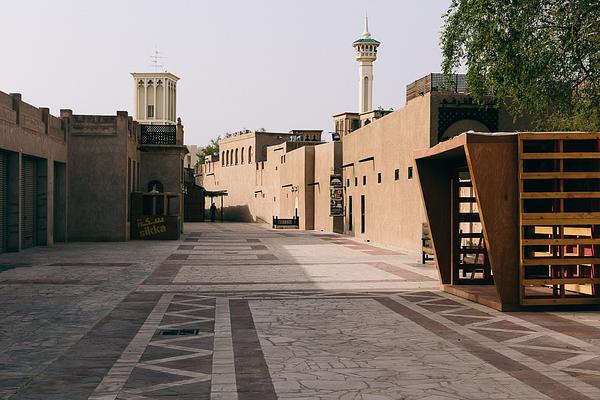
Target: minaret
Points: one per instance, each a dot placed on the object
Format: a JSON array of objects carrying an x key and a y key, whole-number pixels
[{"x": 366, "y": 53}]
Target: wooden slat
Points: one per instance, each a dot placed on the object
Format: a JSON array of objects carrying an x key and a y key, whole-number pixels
[
  {"x": 560, "y": 221},
  {"x": 475, "y": 235},
  {"x": 468, "y": 217},
  {"x": 528, "y": 262},
  {"x": 467, "y": 200},
  {"x": 560, "y": 242},
  {"x": 560, "y": 195},
  {"x": 471, "y": 251},
  {"x": 561, "y": 215},
  {"x": 559, "y": 136},
  {"x": 465, "y": 184},
  {"x": 569, "y": 231},
  {"x": 560, "y": 301},
  {"x": 557, "y": 156},
  {"x": 561, "y": 281},
  {"x": 560, "y": 175}
]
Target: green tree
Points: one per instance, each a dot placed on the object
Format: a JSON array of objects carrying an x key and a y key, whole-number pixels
[
  {"x": 211, "y": 148},
  {"x": 544, "y": 54}
]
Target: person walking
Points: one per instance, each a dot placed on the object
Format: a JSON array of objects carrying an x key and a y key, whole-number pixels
[{"x": 213, "y": 212}]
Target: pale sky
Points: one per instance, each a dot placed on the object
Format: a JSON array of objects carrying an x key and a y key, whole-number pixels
[{"x": 274, "y": 64}]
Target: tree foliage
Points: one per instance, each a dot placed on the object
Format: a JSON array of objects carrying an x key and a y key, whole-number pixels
[
  {"x": 210, "y": 149},
  {"x": 544, "y": 54}
]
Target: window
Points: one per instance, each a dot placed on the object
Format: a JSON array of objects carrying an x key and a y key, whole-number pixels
[
  {"x": 250, "y": 154},
  {"x": 150, "y": 111},
  {"x": 356, "y": 181},
  {"x": 396, "y": 174},
  {"x": 410, "y": 172},
  {"x": 236, "y": 156},
  {"x": 363, "y": 214},
  {"x": 242, "y": 156},
  {"x": 379, "y": 177},
  {"x": 348, "y": 182},
  {"x": 364, "y": 180},
  {"x": 349, "y": 213}
]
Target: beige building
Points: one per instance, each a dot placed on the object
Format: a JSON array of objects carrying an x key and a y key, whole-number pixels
[
  {"x": 382, "y": 196},
  {"x": 70, "y": 178},
  {"x": 270, "y": 174},
  {"x": 33, "y": 176},
  {"x": 274, "y": 174}
]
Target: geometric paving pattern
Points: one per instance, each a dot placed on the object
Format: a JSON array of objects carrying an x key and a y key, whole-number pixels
[
  {"x": 553, "y": 354},
  {"x": 177, "y": 366},
  {"x": 239, "y": 312}
]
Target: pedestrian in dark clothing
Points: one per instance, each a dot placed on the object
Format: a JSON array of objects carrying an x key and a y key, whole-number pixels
[{"x": 213, "y": 212}]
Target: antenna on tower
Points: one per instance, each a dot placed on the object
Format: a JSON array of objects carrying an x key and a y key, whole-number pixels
[{"x": 155, "y": 59}]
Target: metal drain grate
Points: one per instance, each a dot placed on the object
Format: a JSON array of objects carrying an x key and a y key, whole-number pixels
[{"x": 178, "y": 332}]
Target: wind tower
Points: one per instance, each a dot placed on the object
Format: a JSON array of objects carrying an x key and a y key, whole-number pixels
[
  {"x": 155, "y": 95},
  {"x": 366, "y": 54}
]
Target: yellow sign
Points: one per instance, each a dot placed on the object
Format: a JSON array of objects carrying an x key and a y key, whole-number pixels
[{"x": 151, "y": 226}]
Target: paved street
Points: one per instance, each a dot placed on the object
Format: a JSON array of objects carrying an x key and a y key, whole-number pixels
[{"x": 239, "y": 311}]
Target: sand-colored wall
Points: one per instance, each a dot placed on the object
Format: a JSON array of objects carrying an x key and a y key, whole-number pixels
[
  {"x": 328, "y": 160},
  {"x": 296, "y": 173},
  {"x": 394, "y": 212},
  {"x": 250, "y": 186}
]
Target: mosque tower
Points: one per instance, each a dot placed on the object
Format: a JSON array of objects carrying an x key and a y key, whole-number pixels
[{"x": 366, "y": 53}]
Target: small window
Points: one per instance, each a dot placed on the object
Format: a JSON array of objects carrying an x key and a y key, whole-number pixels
[
  {"x": 364, "y": 180},
  {"x": 397, "y": 174},
  {"x": 150, "y": 111},
  {"x": 347, "y": 182},
  {"x": 410, "y": 172},
  {"x": 356, "y": 181},
  {"x": 379, "y": 177}
]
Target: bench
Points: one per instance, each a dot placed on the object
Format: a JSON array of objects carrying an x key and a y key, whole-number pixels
[
  {"x": 283, "y": 223},
  {"x": 426, "y": 244}
]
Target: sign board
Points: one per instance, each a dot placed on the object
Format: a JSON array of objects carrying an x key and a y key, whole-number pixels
[
  {"x": 155, "y": 228},
  {"x": 336, "y": 191}
]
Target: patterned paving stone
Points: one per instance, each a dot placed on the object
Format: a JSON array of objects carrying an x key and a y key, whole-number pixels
[{"x": 238, "y": 311}]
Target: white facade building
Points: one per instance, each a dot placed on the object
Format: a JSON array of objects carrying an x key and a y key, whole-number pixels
[
  {"x": 366, "y": 54},
  {"x": 155, "y": 96}
]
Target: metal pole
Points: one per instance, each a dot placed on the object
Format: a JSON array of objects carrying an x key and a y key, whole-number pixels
[{"x": 221, "y": 208}]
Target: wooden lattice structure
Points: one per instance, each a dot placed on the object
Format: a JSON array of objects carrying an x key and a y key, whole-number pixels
[
  {"x": 559, "y": 217},
  {"x": 515, "y": 218}
]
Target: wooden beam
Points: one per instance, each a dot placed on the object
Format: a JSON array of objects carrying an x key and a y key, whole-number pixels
[
  {"x": 557, "y": 156},
  {"x": 560, "y": 242},
  {"x": 561, "y": 281},
  {"x": 560, "y": 301},
  {"x": 569, "y": 231},
  {"x": 560, "y": 195},
  {"x": 559, "y": 135},
  {"x": 560, "y": 175},
  {"x": 560, "y": 221},
  {"x": 530, "y": 262},
  {"x": 493, "y": 169},
  {"x": 561, "y": 215}
]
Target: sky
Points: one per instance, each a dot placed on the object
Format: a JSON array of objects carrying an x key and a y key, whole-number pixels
[{"x": 243, "y": 64}]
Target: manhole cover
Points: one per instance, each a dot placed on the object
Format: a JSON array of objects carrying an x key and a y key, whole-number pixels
[{"x": 178, "y": 332}]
